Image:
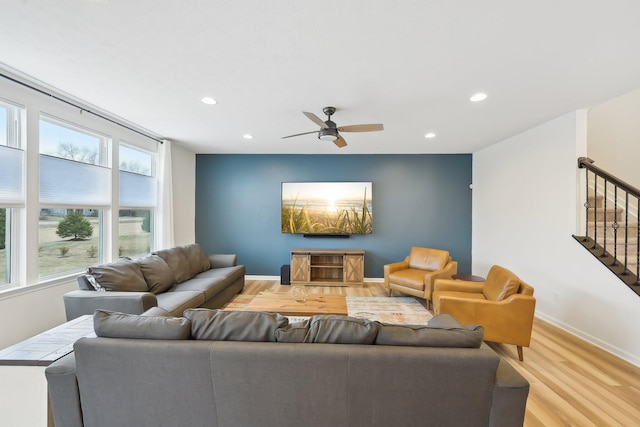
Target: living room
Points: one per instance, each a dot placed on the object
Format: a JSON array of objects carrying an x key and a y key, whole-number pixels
[{"x": 520, "y": 213}]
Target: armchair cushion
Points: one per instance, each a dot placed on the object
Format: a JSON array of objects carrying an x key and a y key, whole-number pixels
[
  {"x": 428, "y": 259},
  {"x": 120, "y": 276},
  {"x": 500, "y": 284}
]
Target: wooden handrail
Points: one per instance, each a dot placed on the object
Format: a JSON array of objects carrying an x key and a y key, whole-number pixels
[{"x": 587, "y": 163}]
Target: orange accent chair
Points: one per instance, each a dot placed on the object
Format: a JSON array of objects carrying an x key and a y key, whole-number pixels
[
  {"x": 503, "y": 304},
  {"x": 418, "y": 272}
]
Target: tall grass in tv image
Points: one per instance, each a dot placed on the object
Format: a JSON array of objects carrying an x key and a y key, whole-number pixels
[{"x": 327, "y": 208}]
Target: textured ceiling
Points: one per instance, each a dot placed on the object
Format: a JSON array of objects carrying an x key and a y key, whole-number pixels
[{"x": 411, "y": 65}]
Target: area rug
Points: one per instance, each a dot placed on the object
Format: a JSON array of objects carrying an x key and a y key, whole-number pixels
[
  {"x": 393, "y": 310},
  {"x": 238, "y": 301}
]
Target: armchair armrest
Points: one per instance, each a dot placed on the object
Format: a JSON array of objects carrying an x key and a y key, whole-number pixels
[
  {"x": 223, "y": 260},
  {"x": 395, "y": 266},
  {"x": 452, "y": 285},
  {"x": 81, "y": 302},
  {"x": 508, "y": 321},
  {"x": 430, "y": 277}
]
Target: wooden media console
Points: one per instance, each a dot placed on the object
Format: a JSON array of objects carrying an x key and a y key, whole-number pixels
[{"x": 327, "y": 267}]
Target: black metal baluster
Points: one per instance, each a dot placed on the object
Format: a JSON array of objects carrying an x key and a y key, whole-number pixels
[
  {"x": 595, "y": 209},
  {"x": 586, "y": 205},
  {"x": 604, "y": 221},
  {"x": 615, "y": 226},
  {"x": 626, "y": 232}
]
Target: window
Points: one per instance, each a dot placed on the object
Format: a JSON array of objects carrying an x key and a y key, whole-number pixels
[
  {"x": 75, "y": 187},
  {"x": 12, "y": 179},
  {"x": 138, "y": 200}
]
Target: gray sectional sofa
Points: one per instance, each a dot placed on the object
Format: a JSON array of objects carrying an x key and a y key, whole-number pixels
[
  {"x": 226, "y": 368},
  {"x": 168, "y": 281}
]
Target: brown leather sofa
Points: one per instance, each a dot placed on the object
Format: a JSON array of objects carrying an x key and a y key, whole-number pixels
[
  {"x": 503, "y": 304},
  {"x": 418, "y": 272}
]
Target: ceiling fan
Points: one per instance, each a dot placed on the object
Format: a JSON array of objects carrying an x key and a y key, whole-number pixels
[{"x": 329, "y": 131}]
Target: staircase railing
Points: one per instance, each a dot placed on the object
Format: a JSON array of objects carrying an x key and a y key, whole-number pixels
[{"x": 609, "y": 234}]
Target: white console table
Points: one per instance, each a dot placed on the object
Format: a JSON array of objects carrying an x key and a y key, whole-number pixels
[{"x": 23, "y": 386}]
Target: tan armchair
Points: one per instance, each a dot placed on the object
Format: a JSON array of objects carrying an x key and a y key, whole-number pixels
[
  {"x": 418, "y": 272},
  {"x": 503, "y": 304}
]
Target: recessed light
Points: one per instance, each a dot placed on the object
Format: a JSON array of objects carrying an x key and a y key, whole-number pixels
[
  {"x": 430, "y": 135},
  {"x": 478, "y": 97},
  {"x": 247, "y": 136},
  {"x": 209, "y": 100}
]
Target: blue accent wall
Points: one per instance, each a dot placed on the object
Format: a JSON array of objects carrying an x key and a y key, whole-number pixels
[{"x": 418, "y": 200}]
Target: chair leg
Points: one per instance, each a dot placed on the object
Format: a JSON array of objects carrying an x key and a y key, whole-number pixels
[{"x": 520, "y": 355}]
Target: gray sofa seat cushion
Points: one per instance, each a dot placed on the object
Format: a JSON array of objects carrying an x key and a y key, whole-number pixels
[
  {"x": 177, "y": 302},
  {"x": 120, "y": 276},
  {"x": 228, "y": 273},
  {"x": 442, "y": 331},
  {"x": 211, "y": 282},
  {"x": 335, "y": 329},
  {"x": 157, "y": 273},
  {"x": 218, "y": 325},
  {"x": 111, "y": 324}
]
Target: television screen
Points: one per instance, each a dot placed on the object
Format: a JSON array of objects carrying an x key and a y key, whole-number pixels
[{"x": 336, "y": 208}]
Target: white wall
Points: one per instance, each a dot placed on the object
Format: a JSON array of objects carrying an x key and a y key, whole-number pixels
[
  {"x": 183, "y": 165},
  {"x": 614, "y": 137},
  {"x": 524, "y": 215}
]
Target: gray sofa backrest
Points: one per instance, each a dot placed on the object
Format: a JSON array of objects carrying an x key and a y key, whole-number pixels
[{"x": 231, "y": 383}]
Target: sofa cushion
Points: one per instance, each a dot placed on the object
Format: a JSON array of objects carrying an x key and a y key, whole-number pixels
[
  {"x": 428, "y": 259},
  {"x": 336, "y": 329},
  {"x": 500, "y": 284},
  {"x": 120, "y": 276},
  {"x": 156, "y": 272},
  {"x": 293, "y": 332},
  {"x": 442, "y": 330},
  {"x": 219, "y": 325},
  {"x": 111, "y": 324},
  {"x": 177, "y": 261},
  {"x": 177, "y": 302}
]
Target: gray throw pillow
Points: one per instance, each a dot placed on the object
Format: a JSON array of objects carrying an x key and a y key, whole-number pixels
[
  {"x": 293, "y": 332},
  {"x": 198, "y": 260},
  {"x": 111, "y": 324},
  {"x": 219, "y": 325},
  {"x": 178, "y": 262},
  {"x": 157, "y": 273},
  {"x": 119, "y": 276},
  {"x": 335, "y": 329},
  {"x": 441, "y": 331}
]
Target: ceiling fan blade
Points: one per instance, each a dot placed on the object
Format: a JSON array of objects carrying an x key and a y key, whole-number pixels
[
  {"x": 315, "y": 119},
  {"x": 298, "y": 134},
  {"x": 361, "y": 128},
  {"x": 340, "y": 142}
]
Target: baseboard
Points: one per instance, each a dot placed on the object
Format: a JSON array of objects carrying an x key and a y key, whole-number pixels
[{"x": 618, "y": 352}]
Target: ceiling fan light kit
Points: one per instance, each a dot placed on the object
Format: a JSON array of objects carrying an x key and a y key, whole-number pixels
[{"x": 329, "y": 131}]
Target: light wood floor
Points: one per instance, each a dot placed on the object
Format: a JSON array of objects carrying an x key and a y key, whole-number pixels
[{"x": 573, "y": 383}]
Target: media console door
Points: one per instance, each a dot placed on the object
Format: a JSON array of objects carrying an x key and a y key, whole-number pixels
[{"x": 327, "y": 267}]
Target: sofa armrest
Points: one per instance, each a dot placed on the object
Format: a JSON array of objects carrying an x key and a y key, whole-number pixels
[
  {"x": 509, "y": 401},
  {"x": 223, "y": 260},
  {"x": 63, "y": 392},
  {"x": 80, "y": 302}
]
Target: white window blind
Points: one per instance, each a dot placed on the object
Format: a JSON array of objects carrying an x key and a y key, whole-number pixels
[
  {"x": 69, "y": 183},
  {"x": 138, "y": 191},
  {"x": 11, "y": 177}
]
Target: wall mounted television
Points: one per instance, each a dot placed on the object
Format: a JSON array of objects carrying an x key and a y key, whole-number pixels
[{"x": 327, "y": 208}]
